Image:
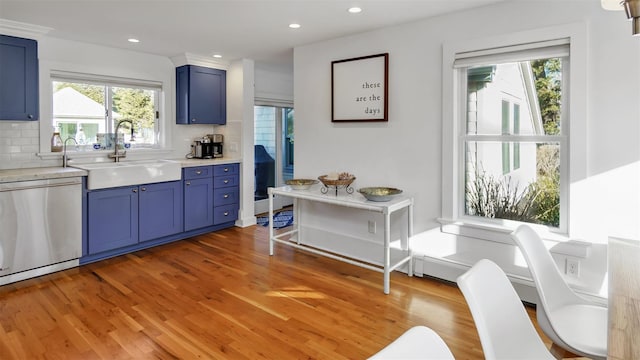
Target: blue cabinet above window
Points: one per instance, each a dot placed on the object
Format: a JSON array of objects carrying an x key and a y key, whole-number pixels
[
  {"x": 18, "y": 78},
  {"x": 201, "y": 95}
]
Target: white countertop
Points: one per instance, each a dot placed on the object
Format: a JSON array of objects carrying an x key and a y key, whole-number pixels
[
  {"x": 204, "y": 162},
  {"x": 28, "y": 174}
]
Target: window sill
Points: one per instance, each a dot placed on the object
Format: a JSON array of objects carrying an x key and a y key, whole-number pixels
[
  {"x": 501, "y": 233},
  {"x": 98, "y": 155}
]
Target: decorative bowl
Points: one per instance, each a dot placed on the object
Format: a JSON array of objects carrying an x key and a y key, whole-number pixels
[
  {"x": 301, "y": 184},
  {"x": 336, "y": 182},
  {"x": 379, "y": 193}
]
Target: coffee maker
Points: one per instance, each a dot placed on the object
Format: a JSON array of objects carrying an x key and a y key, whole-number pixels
[
  {"x": 216, "y": 145},
  {"x": 203, "y": 148}
]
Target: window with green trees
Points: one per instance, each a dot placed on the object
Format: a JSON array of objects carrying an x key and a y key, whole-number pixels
[
  {"x": 514, "y": 136},
  {"x": 88, "y": 111}
]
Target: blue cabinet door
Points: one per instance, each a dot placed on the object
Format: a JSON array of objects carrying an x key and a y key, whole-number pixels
[
  {"x": 198, "y": 203},
  {"x": 18, "y": 78},
  {"x": 201, "y": 95},
  {"x": 160, "y": 210},
  {"x": 112, "y": 218}
]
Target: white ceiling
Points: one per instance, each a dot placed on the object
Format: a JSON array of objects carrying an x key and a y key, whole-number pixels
[{"x": 255, "y": 29}]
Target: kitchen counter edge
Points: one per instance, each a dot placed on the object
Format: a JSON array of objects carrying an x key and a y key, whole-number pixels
[
  {"x": 205, "y": 162},
  {"x": 57, "y": 172},
  {"x": 43, "y": 173}
]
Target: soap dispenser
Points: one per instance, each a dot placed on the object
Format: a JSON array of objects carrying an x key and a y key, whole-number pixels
[{"x": 56, "y": 141}]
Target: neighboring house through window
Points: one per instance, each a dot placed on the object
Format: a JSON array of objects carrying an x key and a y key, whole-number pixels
[
  {"x": 89, "y": 108},
  {"x": 515, "y": 132}
]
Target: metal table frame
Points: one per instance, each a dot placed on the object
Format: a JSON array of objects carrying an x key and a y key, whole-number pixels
[{"x": 355, "y": 201}]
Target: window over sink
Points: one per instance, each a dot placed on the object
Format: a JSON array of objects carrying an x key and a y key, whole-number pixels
[{"x": 88, "y": 108}]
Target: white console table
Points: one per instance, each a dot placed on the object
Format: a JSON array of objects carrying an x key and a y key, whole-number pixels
[{"x": 355, "y": 201}]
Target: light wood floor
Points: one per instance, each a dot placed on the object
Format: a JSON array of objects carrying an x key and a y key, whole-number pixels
[{"x": 221, "y": 296}]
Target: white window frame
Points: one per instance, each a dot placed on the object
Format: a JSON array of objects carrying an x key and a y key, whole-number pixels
[
  {"x": 452, "y": 218},
  {"x": 162, "y": 130},
  {"x": 110, "y": 83}
]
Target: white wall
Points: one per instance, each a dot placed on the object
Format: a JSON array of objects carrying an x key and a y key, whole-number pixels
[
  {"x": 240, "y": 94},
  {"x": 406, "y": 152},
  {"x": 273, "y": 83}
]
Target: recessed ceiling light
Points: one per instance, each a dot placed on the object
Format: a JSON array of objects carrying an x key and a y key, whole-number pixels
[
  {"x": 355, "y": 10},
  {"x": 217, "y": 56},
  {"x": 132, "y": 40},
  {"x": 294, "y": 26}
]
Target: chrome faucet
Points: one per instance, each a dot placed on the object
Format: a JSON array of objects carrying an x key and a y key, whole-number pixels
[
  {"x": 117, "y": 155},
  {"x": 65, "y": 159}
]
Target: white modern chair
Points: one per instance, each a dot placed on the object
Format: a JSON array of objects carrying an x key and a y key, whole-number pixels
[
  {"x": 505, "y": 330},
  {"x": 571, "y": 322},
  {"x": 419, "y": 342}
]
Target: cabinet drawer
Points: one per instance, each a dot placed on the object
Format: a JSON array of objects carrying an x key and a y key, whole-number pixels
[
  {"x": 226, "y": 213},
  {"x": 228, "y": 169},
  {"x": 225, "y": 181},
  {"x": 197, "y": 172},
  {"x": 225, "y": 196}
]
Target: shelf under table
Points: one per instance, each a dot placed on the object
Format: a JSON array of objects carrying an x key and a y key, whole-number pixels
[{"x": 354, "y": 201}]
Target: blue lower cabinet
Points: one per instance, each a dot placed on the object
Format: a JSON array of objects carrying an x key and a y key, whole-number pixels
[
  {"x": 125, "y": 216},
  {"x": 198, "y": 203},
  {"x": 112, "y": 218},
  {"x": 125, "y": 219},
  {"x": 160, "y": 210},
  {"x": 226, "y": 193}
]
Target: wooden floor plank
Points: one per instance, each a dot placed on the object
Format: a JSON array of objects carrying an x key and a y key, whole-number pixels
[{"x": 221, "y": 296}]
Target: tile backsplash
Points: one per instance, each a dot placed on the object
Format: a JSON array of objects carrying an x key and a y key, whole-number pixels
[{"x": 19, "y": 144}]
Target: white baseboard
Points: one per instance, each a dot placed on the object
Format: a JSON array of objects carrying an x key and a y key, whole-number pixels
[{"x": 450, "y": 270}]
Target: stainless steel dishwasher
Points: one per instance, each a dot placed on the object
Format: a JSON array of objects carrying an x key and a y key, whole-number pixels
[{"x": 40, "y": 227}]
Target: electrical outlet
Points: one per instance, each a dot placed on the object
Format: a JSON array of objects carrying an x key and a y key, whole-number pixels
[
  {"x": 572, "y": 267},
  {"x": 372, "y": 226}
]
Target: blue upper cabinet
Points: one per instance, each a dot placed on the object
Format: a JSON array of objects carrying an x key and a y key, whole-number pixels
[
  {"x": 201, "y": 95},
  {"x": 18, "y": 78}
]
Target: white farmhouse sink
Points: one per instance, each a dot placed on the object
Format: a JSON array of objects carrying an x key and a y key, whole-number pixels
[{"x": 125, "y": 173}]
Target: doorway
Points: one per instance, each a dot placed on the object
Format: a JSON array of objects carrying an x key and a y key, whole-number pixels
[{"x": 273, "y": 158}]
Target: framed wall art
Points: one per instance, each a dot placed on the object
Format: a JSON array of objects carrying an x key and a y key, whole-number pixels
[{"x": 359, "y": 89}]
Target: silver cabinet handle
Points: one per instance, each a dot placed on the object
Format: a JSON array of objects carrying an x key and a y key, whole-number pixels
[
  {"x": 134, "y": 190},
  {"x": 226, "y": 196},
  {"x": 198, "y": 172},
  {"x": 143, "y": 188},
  {"x": 226, "y": 213},
  {"x": 188, "y": 183},
  {"x": 226, "y": 181},
  {"x": 193, "y": 120},
  {"x": 226, "y": 169}
]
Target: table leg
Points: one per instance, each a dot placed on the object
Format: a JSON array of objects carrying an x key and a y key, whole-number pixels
[
  {"x": 387, "y": 251},
  {"x": 409, "y": 235},
  {"x": 296, "y": 219},
  {"x": 270, "y": 223}
]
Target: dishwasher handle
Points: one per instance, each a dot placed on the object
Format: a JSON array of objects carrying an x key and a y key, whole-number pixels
[{"x": 39, "y": 184}]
